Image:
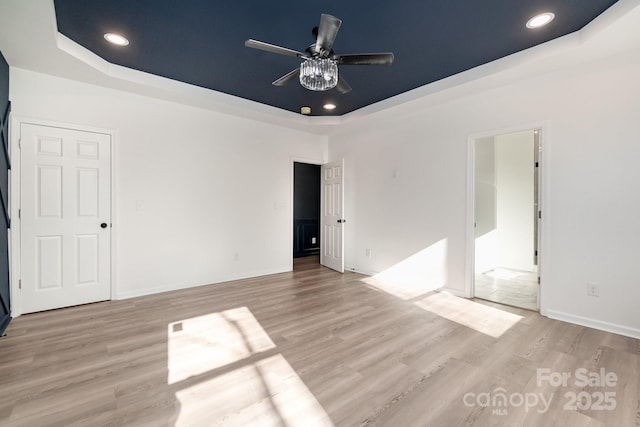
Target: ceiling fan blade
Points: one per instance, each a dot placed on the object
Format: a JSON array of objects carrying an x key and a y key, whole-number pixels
[
  {"x": 327, "y": 32},
  {"x": 342, "y": 86},
  {"x": 255, "y": 44},
  {"x": 287, "y": 77},
  {"x": 365, "y": 59}
]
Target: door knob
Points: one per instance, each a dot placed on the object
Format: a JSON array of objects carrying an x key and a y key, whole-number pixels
[
  {"x": 103, "y": 225},
  {"x": 342, "y": 221}
]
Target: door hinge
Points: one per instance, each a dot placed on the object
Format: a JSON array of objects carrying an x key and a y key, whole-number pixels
[
  {"x": 539, "y": 214},
  {"x": 20, "y": 284},
  {"x": 538, "y": 280},
  {"x": 19, "y": 213},
  {"x": 19, "y": 143},
  {"x": 537, "y": 164},
  {"x": 535, "y": 253}
]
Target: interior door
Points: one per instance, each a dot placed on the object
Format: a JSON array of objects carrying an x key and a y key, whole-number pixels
[
  {"x": 65, "y": 217},
  {"x": 332, "y": 218}
]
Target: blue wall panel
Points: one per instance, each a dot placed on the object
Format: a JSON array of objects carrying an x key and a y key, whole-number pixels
[{"x": 5, "y": 165}]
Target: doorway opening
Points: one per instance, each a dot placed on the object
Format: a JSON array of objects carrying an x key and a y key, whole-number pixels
[
  {"x": 506, "y": 218},
  {"x": 306, "y": 214}
]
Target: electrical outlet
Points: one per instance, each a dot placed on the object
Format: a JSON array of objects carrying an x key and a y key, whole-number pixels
[
  {"x": 592, "y": 290},
  {"x": 367, "y": 252}
]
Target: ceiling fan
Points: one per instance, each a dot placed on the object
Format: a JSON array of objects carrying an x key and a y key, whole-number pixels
[{"x": 319, "y": 68}]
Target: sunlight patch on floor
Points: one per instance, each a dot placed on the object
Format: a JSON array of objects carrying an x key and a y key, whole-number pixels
[
  {"x": 218, "y": 364},
  {"x": 201, "y": 344},
  {"x": 264, "y": 393},
  {"x": 482, "y": 318},
  {"x": 416, "y": 275},
  {"x": 295, "y": 404}
]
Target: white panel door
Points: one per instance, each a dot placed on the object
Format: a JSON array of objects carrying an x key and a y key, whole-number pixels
[
  {"x": 332, "y": 218},
  {"x": 65, "y": 217}
]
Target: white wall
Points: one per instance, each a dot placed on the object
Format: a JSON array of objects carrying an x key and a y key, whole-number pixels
[
  {"x": 209, "y": 185},
  {"x": 504, "y": 202},
  {"x": 485, "y": 185},
  {"x": 515, "y": 201},
  {"x": 486, "y": 205},
  {"x": 591, "y": 136}
]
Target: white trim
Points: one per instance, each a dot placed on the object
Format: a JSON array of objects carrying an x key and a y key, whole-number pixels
[
  {"x": 544, "y": 230},
  {"x": 543, "y": 202},
  {"x": 469, "y": 272},
  {"x": 114, "y": 220},
  {"x": 16, "y": 166},
  {"x": 455, "y": 292},
  {"x": 593, "y": 323},
  {"x": 358, "y": 271},
  {"x": 14, "y": 245},
  {"x": 63, "y": 125},
  {"x": 218, "y": 281}
]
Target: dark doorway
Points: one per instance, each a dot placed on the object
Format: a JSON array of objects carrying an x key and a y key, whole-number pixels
[{"x": 306, "y": 209}]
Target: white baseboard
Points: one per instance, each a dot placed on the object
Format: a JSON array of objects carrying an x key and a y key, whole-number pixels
[
  {"x": 174, "y": 287},
  {"x": 454, "y": 292},
  {"x": 593, "y": 323},
  {"x": 357, "y": 270}
]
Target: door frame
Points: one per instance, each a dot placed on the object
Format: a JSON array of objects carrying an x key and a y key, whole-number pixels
[
  {"x": 544, "y": 254},
  {"x": 15, "y": 193}
]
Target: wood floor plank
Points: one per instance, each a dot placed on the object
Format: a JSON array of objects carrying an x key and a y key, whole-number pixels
[{"x": 308, "y": 347}]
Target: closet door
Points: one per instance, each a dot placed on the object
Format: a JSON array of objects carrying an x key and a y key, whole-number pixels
[{"x": 66, "y": 217}]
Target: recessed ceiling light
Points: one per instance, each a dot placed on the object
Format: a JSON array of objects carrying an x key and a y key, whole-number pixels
[
  {"x": 329, "y": 106},
  {"x": 116, "y": 39},
  {"x": 305, "y": 110},
  {"x": 540, "y": 20}
]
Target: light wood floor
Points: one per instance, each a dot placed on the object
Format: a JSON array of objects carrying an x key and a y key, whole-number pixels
[
  {"x": 508, "y": 286},
  {"x": 311, "y": 347}
]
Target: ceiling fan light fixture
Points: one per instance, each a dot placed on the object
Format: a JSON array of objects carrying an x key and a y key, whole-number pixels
[
  {"x": 540, "y": 20},
  {"x": 329, "y": 106},
  {"x": 319, "y": 74}
]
